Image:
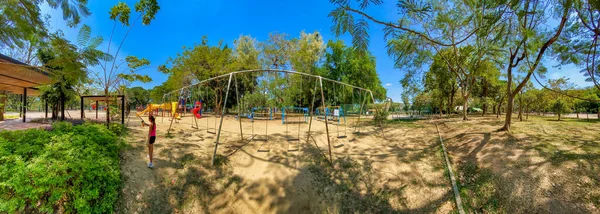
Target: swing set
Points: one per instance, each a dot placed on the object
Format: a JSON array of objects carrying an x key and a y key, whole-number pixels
[{"x": 266, "y": 95}]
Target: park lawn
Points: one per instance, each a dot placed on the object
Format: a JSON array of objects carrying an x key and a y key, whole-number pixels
[{"x": 542, "y": 165}]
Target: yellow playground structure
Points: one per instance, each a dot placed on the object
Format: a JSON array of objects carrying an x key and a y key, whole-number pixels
[{"x": 172, "y": 106}]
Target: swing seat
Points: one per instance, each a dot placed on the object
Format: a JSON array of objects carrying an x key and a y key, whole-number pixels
[{"x": 341, "y": 137}]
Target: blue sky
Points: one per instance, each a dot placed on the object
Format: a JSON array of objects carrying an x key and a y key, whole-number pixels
[{"x": 184, "y": 22}]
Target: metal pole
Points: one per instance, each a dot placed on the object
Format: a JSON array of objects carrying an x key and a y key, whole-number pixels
[
  {"x": 377, "y": 111},
  {"x": 237, "y": 95},
  {"x": 326, "y": 126},
  {"x": 24, "y": 103},
  {"x": 312, "y": 107},
  {"x": 81, "y": 105},
  {"x": 360, "y": 113},
  {"x": 97, "y": 109},
  {"x": 222, "y": 116}
]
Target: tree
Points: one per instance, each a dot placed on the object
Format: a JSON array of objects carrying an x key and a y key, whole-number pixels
[
  {"x": 68, "y": 65},
  {"x": 138, "y": 96},
  {"x": 441, "y": 82},
  {"x": 21, "y": 20},
  {"x": 462, "y": 30},
  {"x": 526, "y": 40},
  {"x": 580, "y": 43},
  {"x": 276, "y": 51},
  {"x": 560, "y": 103},
  {"x": 111, "y": 74},
  {"x": 349, "y": 65}
]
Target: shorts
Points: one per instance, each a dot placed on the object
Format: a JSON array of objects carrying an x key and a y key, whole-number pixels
[{"x": 152, "y": 139}]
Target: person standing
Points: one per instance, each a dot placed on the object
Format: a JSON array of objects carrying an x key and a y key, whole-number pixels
[{"x": 151, "y": 138}]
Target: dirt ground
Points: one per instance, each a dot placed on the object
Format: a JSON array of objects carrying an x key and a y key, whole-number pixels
[
  {"x": 401, "y": 171},
  {"x": 541, "y": 166}
]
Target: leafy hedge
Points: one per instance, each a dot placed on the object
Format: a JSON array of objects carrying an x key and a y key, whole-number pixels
[{"x": 71, "y": 169}]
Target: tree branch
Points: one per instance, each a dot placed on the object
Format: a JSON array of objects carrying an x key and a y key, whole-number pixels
[{"x": 389, "y": 24}]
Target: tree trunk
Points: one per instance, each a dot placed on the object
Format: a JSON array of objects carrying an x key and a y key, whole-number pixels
[
  {"x": 527, "y": 113},
  {"x": 520, "y": 108},
  {"x": 449, "y": 107},
  {"x": 485, "y": 89},
  {"x": 62, "y": 107},
  {"x": 465, "y": 106},
  {"x": 499, "y": 106},
  {"x": 577, "y": 112},
  {"x": 107, "y": 103},
  {"x": 509, "y": 110},
  {"x": 587, "y": 115}
]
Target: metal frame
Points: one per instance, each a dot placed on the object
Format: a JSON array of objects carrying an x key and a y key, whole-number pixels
[{"x": 319, "y": 80}]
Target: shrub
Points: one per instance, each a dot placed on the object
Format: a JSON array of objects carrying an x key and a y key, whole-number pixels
[
  {"x": 118, "y": 129},
  {"x": 72, "y": 169},
  {"x": 381, "y": 115}
]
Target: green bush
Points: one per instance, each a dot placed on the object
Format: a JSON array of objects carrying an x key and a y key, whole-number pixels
[
  {"x": 381, "y": 115},
  {"x": 71, "y": 169},
  {"x": 118, "y": 129}
]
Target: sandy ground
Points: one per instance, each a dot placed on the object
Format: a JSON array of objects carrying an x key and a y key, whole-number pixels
[
  {"x": 270, "y": 175},
  {"x": 541, "y": 166}
]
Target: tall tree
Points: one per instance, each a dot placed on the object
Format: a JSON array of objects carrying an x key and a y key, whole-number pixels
[
  {"x": 464, "y": 27},
  {"x": 349, "y": 65},
  {"x": 527, "y": 41},
  {"x": 68, "y": 65},
  {"x": 441, "y": 82},
  {"x": 111, "y": 74}
]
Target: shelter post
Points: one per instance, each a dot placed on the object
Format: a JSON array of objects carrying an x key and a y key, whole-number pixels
[
  {"x": 24, "y": 103},
  {"x": 82, "y": 112}
]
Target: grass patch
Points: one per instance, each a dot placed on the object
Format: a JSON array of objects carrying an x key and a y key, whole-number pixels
[
  {"x": 411, "y": 123},
  {"x": 478, "y": 189}
]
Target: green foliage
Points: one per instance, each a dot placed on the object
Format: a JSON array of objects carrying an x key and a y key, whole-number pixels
[
  {"x": 117, "y": 129},
  {"x": 22, "y": 20},
  {"x": 560, "y": 107},
  {"x": 138, "y": 96},
  {"x": 69, "y": 169},
  {"x": 380, "y": 115},
  {"x": 346, "y": 64}
]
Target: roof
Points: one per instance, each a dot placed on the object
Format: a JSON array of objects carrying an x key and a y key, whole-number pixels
[
  {"x": 16, "y": 75},
  {"x": 102, "y": 98}
]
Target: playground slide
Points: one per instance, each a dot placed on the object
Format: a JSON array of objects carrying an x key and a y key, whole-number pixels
[{"x": 172, "y": 106}]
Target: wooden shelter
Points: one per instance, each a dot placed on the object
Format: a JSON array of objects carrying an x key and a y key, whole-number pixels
[
  {"x": 102, "y": 98},
  {"x": 17, "y": 77}
]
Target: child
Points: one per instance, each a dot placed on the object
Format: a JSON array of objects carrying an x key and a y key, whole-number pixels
[{"x": 151, "y": 139}]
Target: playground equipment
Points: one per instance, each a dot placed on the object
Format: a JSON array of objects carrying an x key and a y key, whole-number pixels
[
  {"x": 275, "y": 89},
  {"x": 172, "y": 106},
  {"x": 197, "y": 111}
]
